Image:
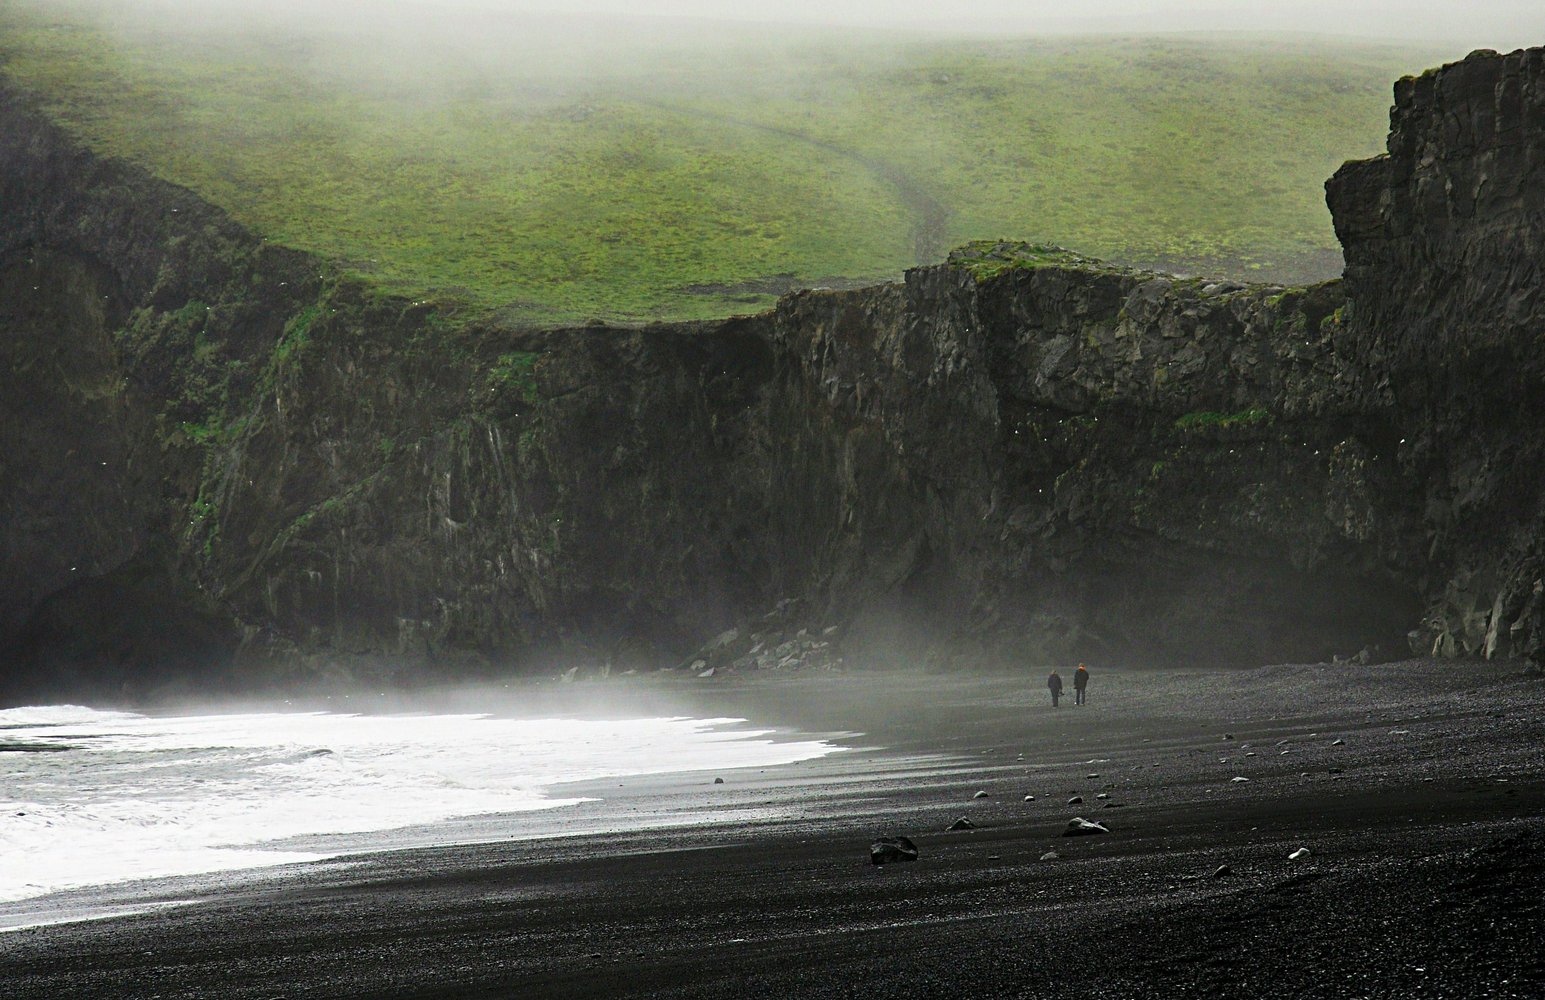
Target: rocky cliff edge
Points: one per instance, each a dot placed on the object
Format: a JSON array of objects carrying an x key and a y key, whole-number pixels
[{"x": 223, "y": 464}]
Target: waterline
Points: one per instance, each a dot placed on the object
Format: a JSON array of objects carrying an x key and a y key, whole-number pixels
[{"x": 91, "y": 798}]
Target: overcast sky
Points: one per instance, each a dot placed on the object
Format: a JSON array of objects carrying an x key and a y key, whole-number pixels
[{"x": 1496, "y": 23}]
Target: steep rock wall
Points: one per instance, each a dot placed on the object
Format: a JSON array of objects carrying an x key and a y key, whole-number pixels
[
  {"x": 1445, "y": 249},
  {"x": 305, "y": 477},
  {"x": 1051, "y": 458},
  {"x": 1019, "y": 455},
  {"x": 127, "y": 306}
]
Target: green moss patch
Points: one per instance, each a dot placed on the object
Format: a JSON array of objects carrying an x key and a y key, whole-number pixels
[
  {"x": 988, "y": 259},
  {"x": 1208, "y": 419}
]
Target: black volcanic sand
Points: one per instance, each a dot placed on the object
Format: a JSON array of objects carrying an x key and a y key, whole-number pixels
[{"x": 1425, "y": 878}]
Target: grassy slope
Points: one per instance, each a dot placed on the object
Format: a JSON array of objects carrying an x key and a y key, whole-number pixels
[{"x": 622, "y": 189}]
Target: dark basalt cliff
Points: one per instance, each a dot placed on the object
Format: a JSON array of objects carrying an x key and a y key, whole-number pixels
[
  {"x": 1445, "y": 245},
  {"x": 222, "y": 464}
]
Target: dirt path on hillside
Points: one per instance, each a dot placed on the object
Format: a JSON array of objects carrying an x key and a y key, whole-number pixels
[{"x": 929, "y": 214}]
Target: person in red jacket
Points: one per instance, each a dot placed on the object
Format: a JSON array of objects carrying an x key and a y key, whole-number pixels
[
  {"x": 1054, "y": 684},
  {"x": 1080, "y": 682}
]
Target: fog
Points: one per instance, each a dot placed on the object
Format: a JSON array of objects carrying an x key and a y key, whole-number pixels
[
  {"x": 1501, "y": 24},
  {"x": 422, "y": 47},
  {"x": 1505, "y": 23},
  {"x": 418, "y": 49}
]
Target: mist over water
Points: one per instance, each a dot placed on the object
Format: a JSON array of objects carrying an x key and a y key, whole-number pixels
[{"x": 91, "y": 797}]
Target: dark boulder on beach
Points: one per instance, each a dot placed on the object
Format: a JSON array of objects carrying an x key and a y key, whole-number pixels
[{"x": 889, "y": 850}]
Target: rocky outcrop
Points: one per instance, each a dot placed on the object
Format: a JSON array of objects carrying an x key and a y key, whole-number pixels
[
  {"x": 1041, "y": 458},
  {"x": 1017, "y": 455},
  {"x": 891, "y": 850},
  {"x": 1445, "y": 250},
  {"x": 130, "y": 309}
]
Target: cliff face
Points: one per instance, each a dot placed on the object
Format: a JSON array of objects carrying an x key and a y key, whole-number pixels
[
  {"x": 1020, "y": 455},
  {"x": 1060, "y": 460},
  {"x": 1445, "y": 245},
  {"x": 120, "y": 298}
]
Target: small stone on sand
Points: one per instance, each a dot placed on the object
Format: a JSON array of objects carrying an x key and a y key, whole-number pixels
[
  {"x": 1075, "y": 800},
  {"x": 980, "y": 795},
  {"x": 1080, "y": 827},
  {"x": 1299, "y": 855}
]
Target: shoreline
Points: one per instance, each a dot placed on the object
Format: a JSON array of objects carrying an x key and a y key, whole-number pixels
[
  {"x": 580, "y": 808},
  {"x": 1439, "y": 770}
]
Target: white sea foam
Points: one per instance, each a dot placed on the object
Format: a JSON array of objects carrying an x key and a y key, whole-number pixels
[{"x": 109, "y": 796}]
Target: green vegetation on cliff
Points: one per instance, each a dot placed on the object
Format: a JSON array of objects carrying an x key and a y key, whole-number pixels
[
  {"x": 987, "y": 259},
  {"x": 679, "y": 178},
  {"x": 1201, "y": 419}
]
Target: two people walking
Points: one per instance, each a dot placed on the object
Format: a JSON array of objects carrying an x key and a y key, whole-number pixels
[{"x": 1080, "y": 685}]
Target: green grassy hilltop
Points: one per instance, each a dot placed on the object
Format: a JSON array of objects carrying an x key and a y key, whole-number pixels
[{"x": 547, "y": 175}]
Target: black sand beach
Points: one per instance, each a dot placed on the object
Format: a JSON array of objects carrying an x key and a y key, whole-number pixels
[{"x": 1425, "y": 877}]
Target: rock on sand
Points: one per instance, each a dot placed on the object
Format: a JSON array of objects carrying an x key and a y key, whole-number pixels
[{"x": 887, "y": 850}]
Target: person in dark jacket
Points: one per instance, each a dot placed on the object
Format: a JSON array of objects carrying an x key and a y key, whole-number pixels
[
  {"x": 1080, "y": 682},
  {"x": 1054, "y": 684}
]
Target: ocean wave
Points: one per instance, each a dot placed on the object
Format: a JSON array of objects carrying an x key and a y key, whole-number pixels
[{"x": 145, "y": 796}]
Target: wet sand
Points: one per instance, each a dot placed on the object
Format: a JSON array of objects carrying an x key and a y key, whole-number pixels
[{"x": 1425, "y": 877}]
